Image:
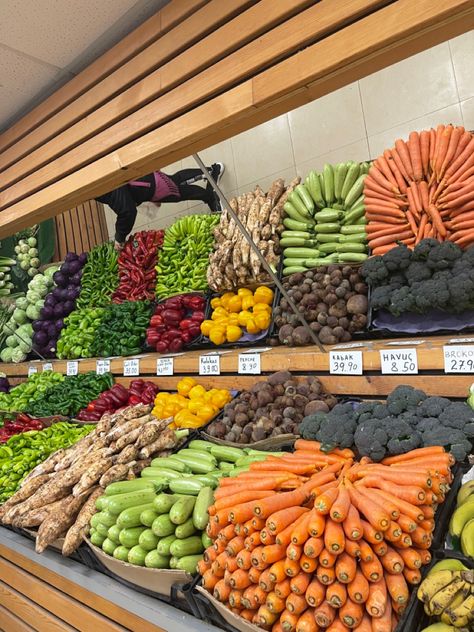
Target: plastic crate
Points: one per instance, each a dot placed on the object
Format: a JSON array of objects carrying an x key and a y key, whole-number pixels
[{"x": 445, "y": 510}]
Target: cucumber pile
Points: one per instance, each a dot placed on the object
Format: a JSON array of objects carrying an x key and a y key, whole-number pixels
[
  {"x": 159, "y": 520},
  {"x": 325, "y": 219}
]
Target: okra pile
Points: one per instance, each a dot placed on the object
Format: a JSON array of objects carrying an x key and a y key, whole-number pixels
[{"x": 160, "y": 519}]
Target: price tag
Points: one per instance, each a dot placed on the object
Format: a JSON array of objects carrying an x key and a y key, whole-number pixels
[
  {"x": 72, "y": 367},
  {"x": 345, "y": 362},
  {"x": 399, "y": 361},
  {"x": 131, "y": 368},
  {"x": 48, "y": 366},
  {"x": 32, "y": 370},
  {"x": 165, "y": 366},
  {"x": 459, "y": 359},
  {"x": 209, "y": 365},
  {"x": 249, "y": 363},
  {"x": 102, "y": 366}
]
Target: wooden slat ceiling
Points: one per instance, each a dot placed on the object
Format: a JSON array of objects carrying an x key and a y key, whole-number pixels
[{"x": 211, "y": 70}]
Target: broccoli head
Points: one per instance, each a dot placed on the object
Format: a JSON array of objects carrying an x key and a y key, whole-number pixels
[
  {"x": 444, "y": 255},
  {"x": 427, "y": 424},
  {"x": 452, "y": 439},
  {"x": 430, "y": 294},
  {"x": 374, "y": 270},
  {"x": 310, "y": 425},
  {"x": 433, "y": 406},
  {"x": 371, "y": 439},
  {"x": 401, "y": 301},
  {"x": 402, "y": 437},
  {"x": 468, "y": 257},
  {"x": 338, "y": 427},
  {"x": 398, "y": 258},
  {"x": 417, "y": 271},
  {"x": 381, "y": 296},
  {"x": 423, "y": 249},
  {"x": 397, "y": 279},
  {"x": 404, "y": 398},
  {"x": 461, "y": 291},
  {"x": 457, "y": 415}
]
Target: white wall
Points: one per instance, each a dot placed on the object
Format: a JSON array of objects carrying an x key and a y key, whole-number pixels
[{"x": 356, "y": 122}]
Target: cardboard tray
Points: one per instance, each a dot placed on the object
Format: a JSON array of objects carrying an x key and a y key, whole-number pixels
[{"x": 215, "y": 612}]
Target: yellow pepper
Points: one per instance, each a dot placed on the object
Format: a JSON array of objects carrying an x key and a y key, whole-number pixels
[
  {"x": 261, "y": 307},
  {"x": 217, "y": 335},
  {"x": 247, "y": 302},
  {"x": 263, "y": 294},
  {"x": 219, "y": 312},
  {"x": 252, "y": 326},
  {"x": 233, "y": 319},
  {"x": 184, "y": 386},
  {"x": 222, "y": 321},
  {"x": 234, "y": 304},
  {"x": 197, "y": 392},
  {"x": 206, "y": 412},
  {"x": 243, "y": 318},
  {"x": 243, "y": 291},
  {"x": 220, "y": 398},
  {"x": 206, "y": 326},
  {"x": 233, "y": 333},
  {"x": 216, "y": 302},
  {"x": 262, "y": 320},
  {"x": 185, "y": 419},
  {"x": 225, "y": 298}
]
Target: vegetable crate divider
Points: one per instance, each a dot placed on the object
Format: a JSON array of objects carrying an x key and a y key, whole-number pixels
[{"x": 414, "y": 619}]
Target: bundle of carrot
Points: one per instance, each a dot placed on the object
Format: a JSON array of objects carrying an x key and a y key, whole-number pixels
[
  {"x": 422, "y": 188},
  {"x": 319, "y": 541}
]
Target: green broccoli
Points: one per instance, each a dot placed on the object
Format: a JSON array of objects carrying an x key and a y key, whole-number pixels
[
  {"x": 310, "y": 425},
  {"x": 430, "y": 294},
  {"x": 433, "y": 406},
  {"x": 417, "y": 271},
  {"x": 371, "y": 439},
  {"x": 381, "y": 296},
  {"x": 423, "y": 249},
  {"x": 404, "y": 398},
  {"x": 374, "y": 270},
  {"x": 398, "y": 258},
  {"x": 457, "y": 415},
  {"x": 402, "y": 300},
  {"x": 444, "y": 255}
]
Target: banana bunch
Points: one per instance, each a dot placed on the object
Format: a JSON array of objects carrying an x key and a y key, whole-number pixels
[
  {"x": 325, "y": 219},
  {"x": 448, "y": 593},
  {"x": 461, "y": 525}
]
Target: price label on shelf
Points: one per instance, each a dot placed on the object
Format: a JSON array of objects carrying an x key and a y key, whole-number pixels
[
  {"x": 209, "y": 365},
  {"x": 458, "y": 359},
  {"x": 102, "y": 366},
  {"x": 72, "y": 367},
  {"x": 249, "y": 363},
  {"x": 48, "y": 366},
  {"x": 399, "y": 361},
  {"x": 345, "y": 362},
  {"x": 32, "y": 370},
  {"x": 131, "y": 368},
  {"x": 165, "y": 366}
]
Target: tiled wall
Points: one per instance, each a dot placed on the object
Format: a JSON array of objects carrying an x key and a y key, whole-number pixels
[{"x": 356, "y": 122}]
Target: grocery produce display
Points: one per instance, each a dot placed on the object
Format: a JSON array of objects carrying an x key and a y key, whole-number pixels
[
  {"x": 184, "y": 256},
  {"x": 118, "y": 397},
  {"x": 308, "y": 538},
  {"x": 20, "y": 423},
  {"x": 136, "y": 267},
  {"x": 26, "y": 451},
  {"x": 192, "y": 406},
  {"x": 78, "y": 333},
  {"x": 461, "y": 526},
  {"x": 325, "y": 219},
  {"x": 422, "y": 188},
  {"x": 21, "y": 397},
  {"x": 447, "y": 593},
  {"x": 333, "y": 300},
  {"x": 236, "y": 315},
  {"x": 58, "y": 496},
  {"x": 233, "y": 263},
  {"x": 122, "y": 329},
  {"x": 175, "y": 322},
  {"x": 432, "y": 276},
  {"x": 58, "y": 304},
  {"x": 271, "y": 408},
  {"x": 407, "y": 420},
  {"x": 100, "y": 277}
]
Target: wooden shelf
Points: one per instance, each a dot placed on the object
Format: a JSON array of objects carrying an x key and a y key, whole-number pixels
[{"x": 300, "y": 360}]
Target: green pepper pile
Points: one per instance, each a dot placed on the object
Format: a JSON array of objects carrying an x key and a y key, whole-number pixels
[
  {"x": 122, "y": 329},
  {"x": 100, "y": 277},
  {"x": 21, "y": 397},
  {"x": 184, "y": 258},
  {"x": 72, "y": 395},
  {"x": 22, "y": 452},
  {"x": 78, "y": 333}
]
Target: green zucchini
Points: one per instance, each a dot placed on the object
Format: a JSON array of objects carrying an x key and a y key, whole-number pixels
[
  {"x": 108, "y": 546},
  {"x": 206, "y": 540},
  {"x": 207, "y": 479},
  {"x": 153, "y": 472},
  {"x": 199, "y": 444},
  {"x": 173, "y": 562},
  {"x": 317, "y": 263},
  {"x": 185, "y": 530},
  {"x": 101, "y": 503},
  {"x": 305, "y": 197},
  {"x": 148, "y": 540},
  {"x": 226, "y": 453},
  {"x": 204, "y": 500},
  {"x": 225, "y": 466},
  {"x": 355, "y": 191},
  {"x": 121, "y": 553},
  {"x": 293, "y": 224},
  {"x": 163, "y": 503},
  {"x": 339, "y": 176},
  {"x": 300, "y": 252},
  {"x": 292, "y": 212},
  {"x": 94, "y": 521},
  {"x": 351, "y": 247},
  {"x": 329, "y": 238},
  {"x": 154, "y": 560},
  {"x": 189, "y": 563},
  {"x": 352, "y": 174},
  {"x": 352, "y": 229},
  {"x": 352, "y": 257},
  {"x": 105, "y": 518},
  {"x": 294, "y": 262},
  {"x": 198, "y": 465},
  {"x": 119, "y": 502},
  {"x": 286, "y": 233},
  {"x": 248, "y": 459},
  {"x": 130, "y": 517},
  {"x": 170, "y": 463},
  {"x": 137, "y": 556},
  {"x": 298, "y": 204},
  {"x": 162, "y": 526},
  {"x": 328, "y": 177},
  {"x": 297, "y": 242},
  {"x": 130, "y": 537},
  {"x": 328, "y": 215},
  {"x": 164, "y": 544},
  {"x": 124, "y": 487},
  {"x": 96, "y": 539},
  {"x": 314, "y": 187},
  {"x": 362, "y": 221},
  {"x": 182, "y": 510},
  {"x": 102, "y": 529},
  {"x": 147, "y": 516},
  {"x": 113, "y": 533},
  {"x": 356, "y": 238},
  {"x": 352, "y": 216},
  {"x": 293, "y": 270},
  {"x": 186, "y": 486},
  {"x": 199, "y": 454},
  {"x": 329, "y": 248},
  {"x": 328, "y": 227},
  {"x": 188, "y": 546}
]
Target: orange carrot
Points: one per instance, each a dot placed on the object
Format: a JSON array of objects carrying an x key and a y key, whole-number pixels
[
  {"x": 244, "y": 511},
  {"x": 241, "y": 497},
  {"x": 388, "y": 239},
  {"x": 427, "y": 525},
  {"x": 340, "y": 507},
  {"x": 397, "y": 587},
  {"x": 266, "y": 506},
  {"x": 231, "y": 564},
  {"x": 296, "y": 603},
  {"x": 410, "y": 493},
  {"x": 288, "y": 620},
  {"x": 221, "y": 591},
  {"x": 275, "y": 603},
  {"x": 381, "y": 180},
  {"x": 414, "y": 149},
  {"x": 425, "y": 151},
  {"x": 383, "y": 623},
  {"x": 283, "y": 588},
  {"x": 279, "y": 520},
  {"x": 313, "y": 547},
  {"x": 373, "y": 570},
  {"x": 253, "y": 597},
  {"x": 382, "y": 164},
  {"x": 406, "y": 508},
  {"x": 376, "y": 603},
  {"x": 380, "y": 548},
  {"x": 315, "y": 593},
  {"x": 412, "y": 576},
  {"x": 294, "y": 551},
  {"x": 401, "y": 184},
  {"x": 346, "y": 567},
  {"x": 334, "y": 539},
  {"x": 327, "y": 559},
  {"x": 336, "y": 595},
  {"x": 272, "y": 553},
  {"x": 235, "y": 545},
  {"x": 267, "y": 537},
  {"x": 460, "y": 160},
  {"x": 284, "y": 537},
  {"x": 235, "y": 599},
  {"x": 371, "y": 534},
  {"x": 239, "y": 579},
  {"x": 324, "y": 615},
  {"x": 392, "y": 561},
  {"x": 277, "y": 571},
  {"x": 254, "y": 575},
  {"x": 369, "y": 486},
  {"x": 265, "y": 581},
  {"x": 352, "y": 524},
  {"x": 413, "y": 454},
  {"x": 451, "y": 150},
  {"x": 366, "y": 551},
  {"x": 249, "y": 615},
  {"x": 404, "y": 154},
  {"x": 411, "y": 558},
  {"x": 442, "y": 150},
  {"x": 300, "y": 582},
  {"x": 351, "y": 614},
  {"x": 306, "y": 622},
  {"x": 264, "y": 617},
  {"x": 424, "y": 555},
  {"x": 399, "y": 163},
  {"x": 352, "y": 548},
  {"x": 393, "y": 533},
  {"x": 292, "y": 568},
  {"x": 358, "y": 589},
  {"x": 299, "y": 534},
  {"x": 209, "y": 580},
  {"x": 252, "y": 540},
  {"x": 316, "y": 524},
  {"x": 257, "y": 559},
  {"x": 308, "y": 564},
  {"x": 366, "y": 624},
  {"x": 325, "y": 575}
]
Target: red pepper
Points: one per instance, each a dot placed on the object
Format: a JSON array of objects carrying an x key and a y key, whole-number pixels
[
  {"x": 176, "y": 345},
  {"x": 198, "y": 316},
  {"x": 137, "y": 385},
  {"x": 174, "y": 333},
  {"x": 160, "y": 308},
  {"x": 172, "y": 316},
  {"x": 133, "y": 400},
  {"x": 91, "y": 406},
  {"x": 195, "y": 302},
  {"x": 152, "y": 337},
  {"x": 23, "y": 417},
  {"x": 194, "y": 330},
  {"x": 185, "y": 324},
  {"x": 186, "y": 337},
  {"x": 176, "y": 302},
  {"x": 162, "y": 346},
  {"x": 155, "y": 320}
]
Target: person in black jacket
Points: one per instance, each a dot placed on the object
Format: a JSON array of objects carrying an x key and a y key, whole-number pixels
[{"x": 158, "y": 187}]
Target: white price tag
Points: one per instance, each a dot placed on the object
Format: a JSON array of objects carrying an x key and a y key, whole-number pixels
[
  {"x": 165, "y": 366},
  {"x": 345, "y": 362},
  {"x": 249, "y": 363},
  {"x": 32, "y": 370},
  {"x": 459, "y": 359},
  {"x": 102, "y": 366},
  {"x": 131, "y": 368},
  {"x": 48, "y": 366},
  {"x": 399, "y": 361},
  {"x": 209, "y": 365},
  {"x": 72, "y": 367}
]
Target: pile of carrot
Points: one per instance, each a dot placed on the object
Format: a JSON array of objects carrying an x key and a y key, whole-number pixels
[
  {"x": 320, "y": 541},
  {"x": 422, "y": 188}
]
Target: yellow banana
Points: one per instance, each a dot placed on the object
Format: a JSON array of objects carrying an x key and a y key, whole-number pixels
[
  {"x": 465, "y": 492},
  {"x": 463, "y": 614},
  {"x": 442, "y": 599},
  {"x": 434, "y": 583}
]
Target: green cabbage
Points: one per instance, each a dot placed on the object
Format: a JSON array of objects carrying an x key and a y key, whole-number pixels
[
  {"x": 18, "y": 355},
  {"x": 19, "y": 316},
  {"x": 6, "y": 354},
  {"x": 12, "y": 342}
]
